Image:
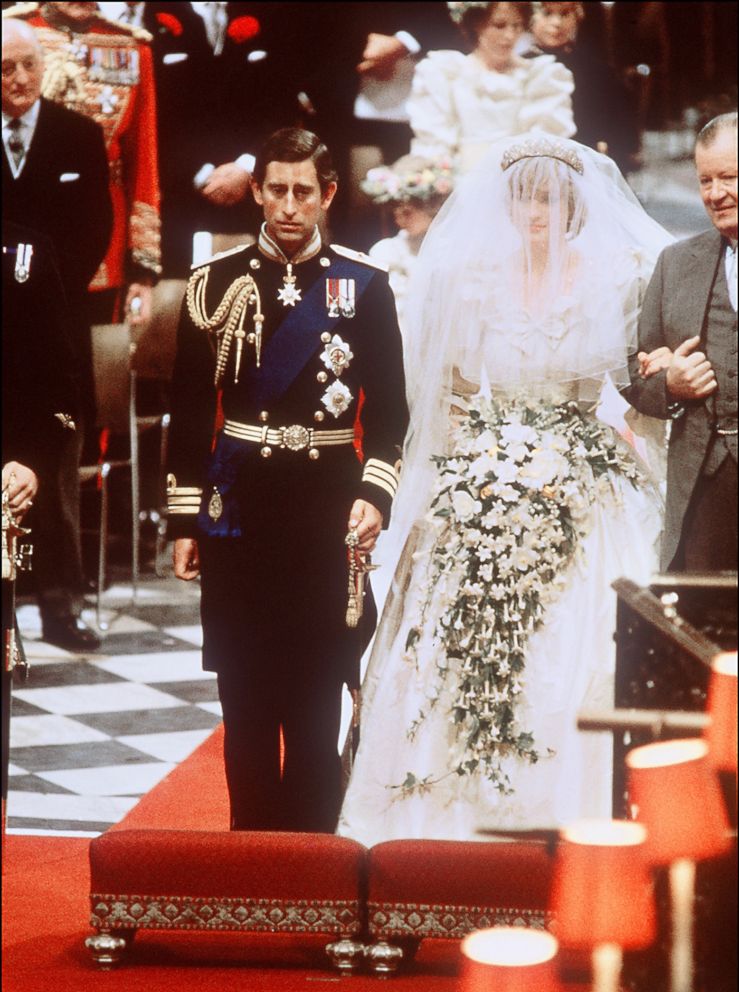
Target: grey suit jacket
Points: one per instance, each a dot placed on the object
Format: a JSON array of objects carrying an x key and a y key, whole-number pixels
[{"x": 674, "y": 310}]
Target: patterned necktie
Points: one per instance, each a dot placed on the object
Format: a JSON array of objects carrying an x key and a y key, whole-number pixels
[
  {"x": 15, "y": 142},
  {"x": 216, "y": 23},
  {"x": 731, "y": 276}
]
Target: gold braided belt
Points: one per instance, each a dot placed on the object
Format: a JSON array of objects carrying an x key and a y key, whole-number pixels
[{"x": 294, "y": 438}]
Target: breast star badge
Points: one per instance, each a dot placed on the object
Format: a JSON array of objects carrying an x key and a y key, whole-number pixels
[
  {"x": 337, "y": 355},
  {"x": 337, "y": 398}
]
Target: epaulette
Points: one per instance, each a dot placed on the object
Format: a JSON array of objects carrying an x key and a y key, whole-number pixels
[
  {"x": 140, "y": 34},
  {"x": 220, "y": 254},
  {"x": 359, "y": 256},
  {"x": 21, "y": 10}
]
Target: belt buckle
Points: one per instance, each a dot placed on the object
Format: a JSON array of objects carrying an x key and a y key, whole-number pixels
[{"x": 296, "y": 437}]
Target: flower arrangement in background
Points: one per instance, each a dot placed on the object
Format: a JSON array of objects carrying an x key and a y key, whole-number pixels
[
  {"x": 410, "y": 178},
  {"x": 458, "y": 10},
  {"x": 510, "y": 509}
]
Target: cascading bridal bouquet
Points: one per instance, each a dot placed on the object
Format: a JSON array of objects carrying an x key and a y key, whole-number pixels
[{"x": 509, "y": 510}]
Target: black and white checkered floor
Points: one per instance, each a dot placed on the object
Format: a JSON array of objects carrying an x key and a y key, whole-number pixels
[{"x": 91, "y": 734}]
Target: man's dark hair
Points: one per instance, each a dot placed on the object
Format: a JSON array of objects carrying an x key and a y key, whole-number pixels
[{"x": 293, "y": 144}]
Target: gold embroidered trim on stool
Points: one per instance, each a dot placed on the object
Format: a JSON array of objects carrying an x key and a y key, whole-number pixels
[
  {"x": 153, "y": 912},
  {"x": 381, "y": 474},
  {"x": 145, "y": 236},
  {"x": 387, "y": 919}
]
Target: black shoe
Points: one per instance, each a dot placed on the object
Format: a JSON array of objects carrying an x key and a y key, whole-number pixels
[{"x": 71, "y": 633}]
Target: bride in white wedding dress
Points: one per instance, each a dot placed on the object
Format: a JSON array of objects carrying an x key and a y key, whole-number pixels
[{"x": 517, "y": 507}]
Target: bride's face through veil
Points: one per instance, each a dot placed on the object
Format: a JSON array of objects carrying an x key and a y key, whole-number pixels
[
  {"x": 547, "y": 213},
  {"x": 531, "y": 274}
]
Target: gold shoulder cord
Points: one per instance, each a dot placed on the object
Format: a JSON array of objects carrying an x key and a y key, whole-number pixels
[{"x": 227, "y": 321}]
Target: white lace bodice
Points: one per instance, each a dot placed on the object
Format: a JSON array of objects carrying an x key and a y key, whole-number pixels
[{"x": 458, "y": 107}]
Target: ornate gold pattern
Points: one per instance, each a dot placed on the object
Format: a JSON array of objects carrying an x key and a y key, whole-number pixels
[
  {"x": 294, "y": 438},
  {"x": 114, "y": 912},
  {"x": 388, "y": 919},
  {"x": 145, "y": 236}
]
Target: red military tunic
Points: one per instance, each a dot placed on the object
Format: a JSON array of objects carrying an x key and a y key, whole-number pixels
[{"x": 104, "y": 70}]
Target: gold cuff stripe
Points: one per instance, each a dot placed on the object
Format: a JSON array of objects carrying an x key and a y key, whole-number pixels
[
  {"x": 182, "y": 510},
  {"x": 382, "y": 473},
  {"x": 184, "y": 491}
]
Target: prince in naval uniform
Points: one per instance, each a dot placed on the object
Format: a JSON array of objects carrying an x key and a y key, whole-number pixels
[{"x": 284, "y": 348}]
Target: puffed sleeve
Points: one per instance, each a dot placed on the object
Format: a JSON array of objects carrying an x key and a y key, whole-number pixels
[
  {"x": 547, "y": 104},
  {"x": 431, "y": 110}
]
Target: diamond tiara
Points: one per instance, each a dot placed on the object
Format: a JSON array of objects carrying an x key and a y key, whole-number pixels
[{"x": 542, "y": 149}]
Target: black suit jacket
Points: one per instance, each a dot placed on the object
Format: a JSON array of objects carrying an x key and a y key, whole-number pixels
[
  {"x": 37, "y": 380},
  {"x": 213, "y": 108},
  {"x": 62, "y": 192},
  {"x": 338, "y": 34}
]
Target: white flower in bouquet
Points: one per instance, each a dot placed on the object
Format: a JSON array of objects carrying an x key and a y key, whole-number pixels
[
  {"x": 544, "y": 468},
  {"x": 464, "y": 506}
]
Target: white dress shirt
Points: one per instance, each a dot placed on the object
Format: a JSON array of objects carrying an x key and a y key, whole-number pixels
[
  {"x": 25, "y": 134},
  {"x": 730, "y": 263}
]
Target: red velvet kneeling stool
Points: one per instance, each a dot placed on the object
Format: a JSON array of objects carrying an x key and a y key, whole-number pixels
[
  {"x": 436, "y": 888},
  {"x": 232, "y": 880}
]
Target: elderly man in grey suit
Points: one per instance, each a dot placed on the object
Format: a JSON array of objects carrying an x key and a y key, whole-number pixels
[{"x": 686, "y": 369}]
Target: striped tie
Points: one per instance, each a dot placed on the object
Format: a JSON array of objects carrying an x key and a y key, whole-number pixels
[{"x": 15, "y": 142}]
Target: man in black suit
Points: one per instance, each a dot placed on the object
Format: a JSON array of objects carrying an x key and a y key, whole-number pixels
[
  {"x": 55, "y": 180},
  {"x": 38, "y": 404},
  {"x": 226, "y": 75}
]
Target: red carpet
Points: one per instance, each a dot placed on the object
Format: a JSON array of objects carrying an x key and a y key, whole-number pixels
[{"x": 46, "y": 909}]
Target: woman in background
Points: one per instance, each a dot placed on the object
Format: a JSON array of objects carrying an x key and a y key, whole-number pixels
[{"x": 461, "y": 104}]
